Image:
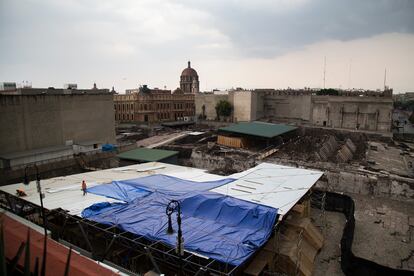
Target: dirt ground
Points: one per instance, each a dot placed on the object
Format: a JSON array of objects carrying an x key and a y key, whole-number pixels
[{"x": 384, "y": 233}]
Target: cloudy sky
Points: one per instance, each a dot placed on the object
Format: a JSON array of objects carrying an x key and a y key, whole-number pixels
[{"x": 245, "y": 43}]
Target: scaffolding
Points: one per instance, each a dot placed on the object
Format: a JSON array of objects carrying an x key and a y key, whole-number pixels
[{"x": 129, "y": 251}]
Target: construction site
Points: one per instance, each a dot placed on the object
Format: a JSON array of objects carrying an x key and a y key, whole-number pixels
[{"x": 243, "y": 199}]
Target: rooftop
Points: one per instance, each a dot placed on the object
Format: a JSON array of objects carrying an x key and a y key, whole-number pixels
[
  {"x": 148, "y": 155},
  {"x": 256, "y": 198},
  {"x": 260, "y": 129}
]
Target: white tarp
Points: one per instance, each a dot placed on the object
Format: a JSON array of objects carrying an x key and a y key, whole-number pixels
[{"x": 271, "y": 185}]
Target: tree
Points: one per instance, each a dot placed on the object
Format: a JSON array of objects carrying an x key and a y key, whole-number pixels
[
  {"x": 328, "y": 91},
  {"x": 223, "y": 108}
]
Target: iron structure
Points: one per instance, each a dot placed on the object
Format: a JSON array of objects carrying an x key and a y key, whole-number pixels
[
  {"x": 42, "y": 210},
  {"x": 134, "y": 253}
]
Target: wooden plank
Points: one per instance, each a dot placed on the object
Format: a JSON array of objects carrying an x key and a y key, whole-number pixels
[{"x": 234, "y": 142}]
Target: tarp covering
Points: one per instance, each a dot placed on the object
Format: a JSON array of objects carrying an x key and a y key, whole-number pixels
[
  {"x": 214, "y": 225},
  {"x": 128, "y": 190},
  {"x": 108, "y": 147}
]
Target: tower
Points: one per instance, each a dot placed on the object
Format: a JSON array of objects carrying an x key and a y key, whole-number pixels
[{"x": 189, "y": 82}]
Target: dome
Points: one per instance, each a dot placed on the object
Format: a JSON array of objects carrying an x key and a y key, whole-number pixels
[
  {"x": 189, "y": 72},
  {"x": 178, "y": 91}
]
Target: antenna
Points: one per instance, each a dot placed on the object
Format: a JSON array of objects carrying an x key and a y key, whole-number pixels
[
  {"x": 324, "y": 72},
  {"x": 349, "y": 74},
  {"x": 385, "y": 78}
]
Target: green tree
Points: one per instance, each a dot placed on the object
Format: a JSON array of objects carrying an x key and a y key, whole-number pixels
[
  {"x": 223, "y": 108},
  {"x": 327, "y": 91}
]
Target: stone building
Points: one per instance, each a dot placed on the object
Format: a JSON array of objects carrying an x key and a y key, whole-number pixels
[
  {"x": 38, "y": 124},
  {"x": 358, "y": 110},
  {"x": 189, "y": 82},
  {"x": 153, "y": 105},
  {"x": 158, "y": 105}
]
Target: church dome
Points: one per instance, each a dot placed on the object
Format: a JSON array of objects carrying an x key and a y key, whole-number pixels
[
  {"x": 178, "y": 91},
  {"x": 189, "y": 72}
]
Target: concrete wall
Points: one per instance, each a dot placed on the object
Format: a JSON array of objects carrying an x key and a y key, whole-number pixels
[
  {"x": 371, "y": 113},
  {"x": 209, "y": 101},
  {"x": 373, "y": 185},
  {"x": 365, "y": 113},
  {"x": 292, "y": 108},
  {"x": 347, "y": 180},
  {"x": 203, "y": 160},
  {"x": 244, "y": 108},
  {"x": 37, "y": 121}
]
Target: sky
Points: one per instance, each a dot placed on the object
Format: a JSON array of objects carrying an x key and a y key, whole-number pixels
[{"x": 245, "y": 43}]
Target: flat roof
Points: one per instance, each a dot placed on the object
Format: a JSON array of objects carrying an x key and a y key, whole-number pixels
[
  {"x": 178, "y": 123},
  {"x": 146, "y": 154},
  {"x": 271, "y": 185},
  {"x": 20, "y": 154},
  {"x": 260, "y": 129},
  {"x": 267, "y": 184},
  {"x": 65, "y": 191}
]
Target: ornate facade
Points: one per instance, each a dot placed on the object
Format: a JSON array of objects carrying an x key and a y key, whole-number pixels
[{"x": 153, "y": 105}]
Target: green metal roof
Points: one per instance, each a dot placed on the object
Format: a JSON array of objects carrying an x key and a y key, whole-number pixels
[
  {"x": 260, "y": 129},
  {"x": 148, "y": 155}
]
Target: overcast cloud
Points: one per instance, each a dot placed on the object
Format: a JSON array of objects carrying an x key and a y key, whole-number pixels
[{"x": 269, "y": 43}]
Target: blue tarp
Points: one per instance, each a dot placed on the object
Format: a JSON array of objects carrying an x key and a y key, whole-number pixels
[
  {"x": 108, "y": 147},
  {"x": 214, "y": 225},
  {"x": 128, "y": 190}
]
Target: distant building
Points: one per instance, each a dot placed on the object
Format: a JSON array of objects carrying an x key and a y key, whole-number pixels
[
  {"x": 153, "y": 105},
  {"x": 359, "y": 110},
  {"x": 189, "y": 82},
  {"x": 404, "y": 97},
  {"x": 7, "y": 86},
  {"x": 159, "y": 105},
  {"x": 40, "y": 124}
]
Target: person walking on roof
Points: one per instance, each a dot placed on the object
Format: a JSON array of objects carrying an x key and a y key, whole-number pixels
[{"x": 84, "y": 187}]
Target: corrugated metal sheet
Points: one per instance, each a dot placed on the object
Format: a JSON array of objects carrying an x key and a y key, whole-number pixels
[
  {"x": 147, "y": 155},
  {"x": 271, "y": 185},
  {"x": 260, "y": 129}
]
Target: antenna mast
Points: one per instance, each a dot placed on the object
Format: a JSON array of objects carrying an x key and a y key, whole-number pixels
[
  {"x": 324, "y": 72},
  {"x": 385, "y": 77},
  {"x": 349, "y": 74}
]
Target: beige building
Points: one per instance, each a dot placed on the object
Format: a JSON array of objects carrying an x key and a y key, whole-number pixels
[{"x": 361, "y": 110}]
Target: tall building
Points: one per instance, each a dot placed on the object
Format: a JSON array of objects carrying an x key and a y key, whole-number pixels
[
  {"x": 43, "y": 124},
  {"x": 189, "y": 82}
]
